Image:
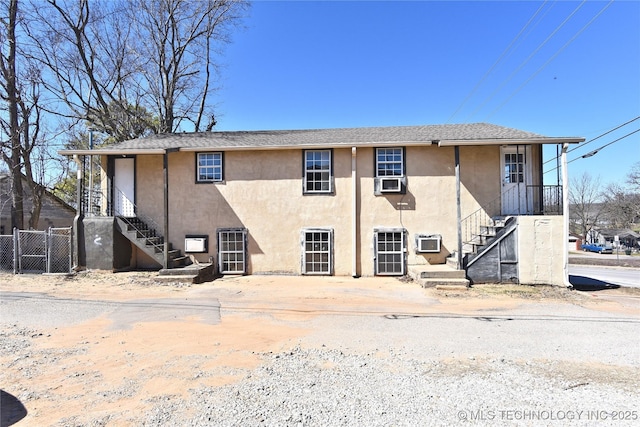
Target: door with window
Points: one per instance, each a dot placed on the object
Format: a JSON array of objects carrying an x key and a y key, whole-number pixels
[
  {"x": 232, "y": 251},
  {"x": 124, "y": 187},
  {"x": 516, "y": 175},
  {"x": 390, "y": 252}
]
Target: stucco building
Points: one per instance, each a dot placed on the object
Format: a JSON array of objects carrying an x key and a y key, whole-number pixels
[{"x": 349, "y": 202}]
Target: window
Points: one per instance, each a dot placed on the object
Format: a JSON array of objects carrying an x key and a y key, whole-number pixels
[
  {"x": 209, "y": 167},
  {"x": 513, "y": 168},
  {"x": 390, "y": 171},
  {"x": 317, "y": 171},
  {"x": 232, "y": 250},
  {"x": 317, "y": 251},
  {"x": 389, "y": 252},
  {"x": 389, "y": 162}
]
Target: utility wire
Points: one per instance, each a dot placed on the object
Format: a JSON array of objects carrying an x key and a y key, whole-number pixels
[
  {"x": 495, "y": 64},
  {"x": 526, "y": 61},
  {"x": 594, "y": 152},
  {"x": 550, "y": 59},
  {"x": 597, "y": 137}
]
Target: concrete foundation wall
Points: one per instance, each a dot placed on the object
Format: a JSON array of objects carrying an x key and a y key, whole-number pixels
[
  {"x": 105, "y": 248},
  {"x": 541, "y": 245}
]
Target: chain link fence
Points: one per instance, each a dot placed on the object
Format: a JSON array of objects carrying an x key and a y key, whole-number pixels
[{"x": 30, "y": 251}]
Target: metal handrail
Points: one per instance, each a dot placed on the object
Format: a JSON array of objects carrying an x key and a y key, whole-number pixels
[
  {"x": 538, "y": 200},
  {"x": 127, "y": 211}
]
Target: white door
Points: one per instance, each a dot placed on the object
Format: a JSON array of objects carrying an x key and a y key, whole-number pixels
[
  {"x": 516, "y": 175},
  {"x": 124, "y": 187}
]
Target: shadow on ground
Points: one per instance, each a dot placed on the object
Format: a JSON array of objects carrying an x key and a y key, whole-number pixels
[
  {"x": 582, "y": 283},
  {"x": 12, "y": 409}
]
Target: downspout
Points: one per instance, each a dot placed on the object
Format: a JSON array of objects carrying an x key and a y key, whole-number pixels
[
  {"x": 565, "y": 216},
  {"x": 165, "y": 170},
  {"x": 458, "y": 208},
  {"x": 354, "y": 215}
]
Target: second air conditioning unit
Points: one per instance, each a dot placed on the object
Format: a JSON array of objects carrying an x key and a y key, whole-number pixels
[
  {"x": 428, "y": 243},
  {"x": 390, "y": 184}
]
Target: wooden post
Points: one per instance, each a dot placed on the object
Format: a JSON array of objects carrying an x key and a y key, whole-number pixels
[{"x": 459, "y": 209}]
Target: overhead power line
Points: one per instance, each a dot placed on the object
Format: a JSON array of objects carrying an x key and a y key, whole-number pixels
[
  {"x": 550, "y": 59},
  {"x": 596, "y": 138},
  {"x": 495, "y": 64},
  {"x": 594, "y": 152},
  {"x": 526, "y": 61}
]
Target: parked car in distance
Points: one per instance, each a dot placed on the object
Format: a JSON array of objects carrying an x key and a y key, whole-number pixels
[{"x": 597, "y": 247}]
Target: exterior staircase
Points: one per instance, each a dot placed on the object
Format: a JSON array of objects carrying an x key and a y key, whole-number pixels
[
  {"x": 491, "y": 255},
  {"x": 149, "y": 241},
  {"x": 486, "y": 235}
]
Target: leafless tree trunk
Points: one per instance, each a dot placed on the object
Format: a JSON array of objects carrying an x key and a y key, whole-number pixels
[
  {"x": 27, "y": 150},
  {"x": 11, "y": 152}
]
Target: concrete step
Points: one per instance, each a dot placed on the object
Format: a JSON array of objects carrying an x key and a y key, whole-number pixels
[
  {"x": 196, "y": 273},
  {"x": 444, "y": 283},
  {"x": 181, "y": 278},
  {"x": 442, "y": 274}
]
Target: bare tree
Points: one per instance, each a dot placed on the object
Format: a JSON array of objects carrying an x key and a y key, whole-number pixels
[
  {"x": 27, "y": 149},
  {"x": 633, "y": 179},
  {"x": 586, "y": 209},
  {"x": 622, "y": 204},
  {"x": 177, "y": 41},
  {"x": 11, "y": 152},
  {"x": 128, "y": 68},
  {"x": 86, "y": 51}
]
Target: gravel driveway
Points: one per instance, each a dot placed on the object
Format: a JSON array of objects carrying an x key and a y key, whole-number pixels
[{"x": 122, "y": 349}]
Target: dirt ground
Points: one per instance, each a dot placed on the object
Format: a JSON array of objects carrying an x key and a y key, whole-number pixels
[{"x": 114, "y": 362}]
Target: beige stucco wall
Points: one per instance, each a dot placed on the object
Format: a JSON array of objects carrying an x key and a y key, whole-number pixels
[
  {"x": 541, "y": 246},
  {"x": 262, "y": 192}
]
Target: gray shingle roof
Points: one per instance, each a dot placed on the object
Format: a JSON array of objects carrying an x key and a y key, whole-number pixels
[{"x": 426, "y": 134}]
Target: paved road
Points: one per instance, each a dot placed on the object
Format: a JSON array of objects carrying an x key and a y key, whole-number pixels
[
  {"x": 580, "y": 275},
  {"x": 50, "y": 311}
]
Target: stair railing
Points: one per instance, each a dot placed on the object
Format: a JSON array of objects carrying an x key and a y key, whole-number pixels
[
  {"x": 127, "y": 210},
  {"x": 472, "y": 223},
  {"x": 545, "y": 200}
]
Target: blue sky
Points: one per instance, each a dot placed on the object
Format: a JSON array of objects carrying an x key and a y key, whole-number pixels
[{"x": 555, "y": 68}]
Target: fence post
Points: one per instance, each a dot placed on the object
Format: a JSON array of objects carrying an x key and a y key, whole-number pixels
[
  {"x": 16, "y": 255},
  {"x": 47, "y": 239}
]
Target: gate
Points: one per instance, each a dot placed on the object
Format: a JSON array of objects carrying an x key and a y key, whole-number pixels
[{"x": 30, "y": 251}]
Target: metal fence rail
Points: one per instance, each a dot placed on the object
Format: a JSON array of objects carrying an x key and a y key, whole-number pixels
[{"x": 31, "y": 251}]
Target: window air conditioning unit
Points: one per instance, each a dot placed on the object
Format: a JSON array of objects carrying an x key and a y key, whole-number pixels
[
  {"x": 428, "y": 243},
  {"x": 390, "y": 184},
  {"x": 195, "y": 244}
]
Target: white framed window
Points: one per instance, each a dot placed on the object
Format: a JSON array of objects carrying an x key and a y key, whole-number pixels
[
  {"x": 389, "y": 247},
  {"x": 318, "y": 171},
  {"x": 232, "y": 250},
  {"x": 389, "y": 162},
  {"x": 209, "y": 167},
  {"x": 317, "y": 251},
  {"x": 514, "y": 168}
]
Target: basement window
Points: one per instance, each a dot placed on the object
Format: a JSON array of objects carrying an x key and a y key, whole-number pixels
[
  {"x": 317, "y": 251},
  {"x": 232, "y": 250},
  {"x": 390, "y": 249}
]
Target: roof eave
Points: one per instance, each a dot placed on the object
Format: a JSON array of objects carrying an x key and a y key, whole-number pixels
[
  {"x": 525, "y": 141},
  {"x": 114, "y": 152}
]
